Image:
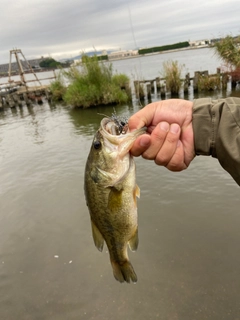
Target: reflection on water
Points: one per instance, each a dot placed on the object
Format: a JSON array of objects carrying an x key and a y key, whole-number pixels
[{"x": 86, "y": 121}]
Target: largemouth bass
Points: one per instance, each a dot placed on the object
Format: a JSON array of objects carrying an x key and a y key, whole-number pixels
[{"x": 111, "y": 191}]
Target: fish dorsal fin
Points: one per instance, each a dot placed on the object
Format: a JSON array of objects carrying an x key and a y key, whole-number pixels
[
  {"x": 97, "y": 237},
  {"x": 133, "y": 242}
]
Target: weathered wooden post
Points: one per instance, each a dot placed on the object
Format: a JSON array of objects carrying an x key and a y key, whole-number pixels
[
  {"x": 224, "y": 81},
  {"x": 233, "y": 80},
  {"x": 136, "y": 87},
  {"x": 16, "y": 100},
  {"x": 25, "y": 98},
  {"x": 163, "y": 91},
  {"x": 128, "y": 91},
  {"x": 38, "y": 97},
  {"x": 195, "y": 81},
  {"x": 149, "y": 97},
  {"x": 186, "y": 83},
  {"x": 9, "y": 101},
  {"x": 158, "y": 84},
  {"x": 139, "y": 91}
]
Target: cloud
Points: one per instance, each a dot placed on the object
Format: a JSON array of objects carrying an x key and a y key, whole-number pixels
[{"x": 65, "y": 28}]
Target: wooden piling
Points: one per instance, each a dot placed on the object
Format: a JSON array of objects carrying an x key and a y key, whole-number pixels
[
  {"x": 225, "y": 79},
  {"x": 195, "y": 81},
  {"x": 152, "y": 86},
  {"x": 163, "y": 91},
  {"x": 139, "y": 91},
  {"x": 187, "y": 83},
  {"x": 149, "y": 96},
  {"x": 158, "y": 84}
]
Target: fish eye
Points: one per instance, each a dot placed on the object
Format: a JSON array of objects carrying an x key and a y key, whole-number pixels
[{"x": 97, "y": 144}]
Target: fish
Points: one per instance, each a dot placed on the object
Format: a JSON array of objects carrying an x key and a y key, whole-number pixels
[{"x": 111, "y": 193}]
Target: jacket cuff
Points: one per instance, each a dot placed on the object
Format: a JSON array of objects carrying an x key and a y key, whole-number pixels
[{"x": 202, "y": 126}]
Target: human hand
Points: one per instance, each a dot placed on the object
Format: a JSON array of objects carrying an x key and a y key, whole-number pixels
[{"x": 169, "y": 139}]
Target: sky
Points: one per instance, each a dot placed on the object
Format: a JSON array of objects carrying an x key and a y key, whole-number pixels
[{"x": 66, "y": 28}]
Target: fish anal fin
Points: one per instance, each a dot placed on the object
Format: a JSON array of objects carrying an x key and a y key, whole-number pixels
[
  {"x": 123, "y": 271},
  {"x": 97, "y": 237},
  {"x": 133, "y": 242}
]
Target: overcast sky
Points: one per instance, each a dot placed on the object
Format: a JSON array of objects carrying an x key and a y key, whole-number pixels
[{"x": 66, "y": 28}]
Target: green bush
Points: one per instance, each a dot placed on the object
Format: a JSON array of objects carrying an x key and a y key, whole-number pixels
[
  {"x": 209, "y": 83},
  {"x": 94, "y": 84},
  {"x": 58, "y": 88}
]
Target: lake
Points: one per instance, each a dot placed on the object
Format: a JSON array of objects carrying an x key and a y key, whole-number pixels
[{"x": 188, "y": 257}]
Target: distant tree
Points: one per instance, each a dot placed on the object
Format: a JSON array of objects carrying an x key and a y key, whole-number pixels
[
  {"x": 49, "y": 63},
  {"x": 178, "y": 45}
]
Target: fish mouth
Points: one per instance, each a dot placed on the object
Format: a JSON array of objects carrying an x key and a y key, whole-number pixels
[
  {"x": 114, "y": 126},
  {"x": 117, "y": 133}
]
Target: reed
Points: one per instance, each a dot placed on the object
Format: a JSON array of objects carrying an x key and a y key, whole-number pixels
[{"x": 172, "y": 74}]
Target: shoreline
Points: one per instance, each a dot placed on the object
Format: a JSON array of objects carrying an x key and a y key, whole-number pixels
[
  {"x": 4, "y": 75},
  {"x": 160, "y": 52}
]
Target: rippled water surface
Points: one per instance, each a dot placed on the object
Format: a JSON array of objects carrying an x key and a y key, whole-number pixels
[{"x": 188, "y": 258}]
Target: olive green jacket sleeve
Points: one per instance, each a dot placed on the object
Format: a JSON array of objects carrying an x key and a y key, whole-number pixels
[{"x": 216, "y": 126}]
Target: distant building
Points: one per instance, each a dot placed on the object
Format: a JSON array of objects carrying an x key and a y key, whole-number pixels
[
  {"x": 122, "y": 54},
  {"x": 200, "y": 43}
]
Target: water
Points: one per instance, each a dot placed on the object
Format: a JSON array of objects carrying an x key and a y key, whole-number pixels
[
  {"x": 150, "y": 67},
  {"x": 188, "y": 258}
]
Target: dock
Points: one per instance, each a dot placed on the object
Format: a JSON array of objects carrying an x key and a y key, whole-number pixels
[{"x": 23, "y": 92}]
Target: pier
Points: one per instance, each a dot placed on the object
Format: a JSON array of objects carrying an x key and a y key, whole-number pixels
[
  {"x": 17, "y": 93},
  {"x": 201, "y": 81}
]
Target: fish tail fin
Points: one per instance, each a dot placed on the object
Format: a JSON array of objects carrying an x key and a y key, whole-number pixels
[{"x": 123, "y": 271}]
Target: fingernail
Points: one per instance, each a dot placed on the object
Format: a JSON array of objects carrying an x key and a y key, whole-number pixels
[
  {"x": 164, "y": 126},
  {"x": 174, "y": 128}
]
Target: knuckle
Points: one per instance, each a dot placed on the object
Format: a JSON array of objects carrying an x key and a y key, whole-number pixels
[
  {"x": 176, "y": 164},
  {"x": 147, "y": 156},
  {"x": 171, "y": 138},
  {"x": 161, "y": 160},
  {"x": 175, "y": 167}
]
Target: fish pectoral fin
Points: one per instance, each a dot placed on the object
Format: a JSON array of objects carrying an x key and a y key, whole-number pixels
[
  {"x": 97, "y": 237},
  {"x": 137, "y": 191},
  {"x": 133, "y": 242}
]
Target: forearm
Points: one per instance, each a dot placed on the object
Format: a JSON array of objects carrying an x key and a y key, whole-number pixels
[{"x": 216, "y": 126}]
